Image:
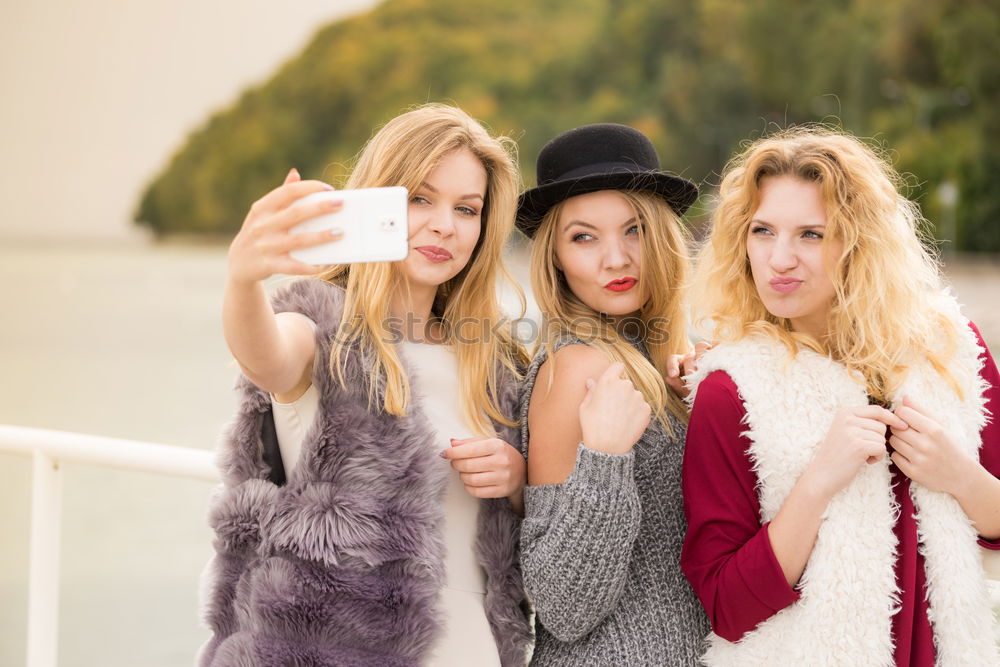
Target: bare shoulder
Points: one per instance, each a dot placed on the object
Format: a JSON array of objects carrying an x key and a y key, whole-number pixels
[
  {"x": 573, "y": 365},
  {"x": 553, "y": 412}
]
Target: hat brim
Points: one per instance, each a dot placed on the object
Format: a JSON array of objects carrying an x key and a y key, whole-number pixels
[{"x": 533, "y": 204}]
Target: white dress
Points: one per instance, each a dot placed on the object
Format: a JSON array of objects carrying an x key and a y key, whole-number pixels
[{"x": 466, "y": 637}]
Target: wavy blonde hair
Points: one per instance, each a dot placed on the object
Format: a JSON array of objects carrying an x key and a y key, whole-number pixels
[
  {"x": 662, "y": 319},
  {"x": 403, "y": 152},
  {"x": 885, "y": 279}
]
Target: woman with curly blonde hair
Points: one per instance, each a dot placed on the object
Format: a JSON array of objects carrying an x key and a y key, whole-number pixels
[{"x": 840, "y": 465}]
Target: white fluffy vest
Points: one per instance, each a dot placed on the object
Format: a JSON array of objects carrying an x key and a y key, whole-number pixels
[{"x": 848, "y": 589}]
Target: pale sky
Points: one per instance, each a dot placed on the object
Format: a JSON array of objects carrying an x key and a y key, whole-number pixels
[{"x": 97, "y": 95}]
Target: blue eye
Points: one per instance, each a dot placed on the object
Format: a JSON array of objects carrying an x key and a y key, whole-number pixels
[
  {"x": 759, "y": 229},
  {"x": 812, "y": 234},
  {"x": 467, "y": 210},
  {"x": 418, "y": 199},
  {"x": 582, "y": 236},
  {"x": 634, "y": 229}
]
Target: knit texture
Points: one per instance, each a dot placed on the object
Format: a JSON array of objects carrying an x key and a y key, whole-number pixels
[
  {"x": 343, "y": 565},
  {"x": 600, "y": 554}
]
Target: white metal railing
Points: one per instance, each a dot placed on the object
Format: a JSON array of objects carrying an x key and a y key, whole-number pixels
[{"x": 48, "y": 450}]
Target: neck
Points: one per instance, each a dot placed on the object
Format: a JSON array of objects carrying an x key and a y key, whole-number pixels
[
  {"x": 410, "y": 309},
  {"x": 811, "y": 326}
]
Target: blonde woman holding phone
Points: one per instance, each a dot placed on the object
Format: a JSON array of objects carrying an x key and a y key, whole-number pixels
[{"x": 342, "y": 535}]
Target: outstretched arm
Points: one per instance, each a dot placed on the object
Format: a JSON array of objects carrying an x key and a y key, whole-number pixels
[{"x": 275, "y": 352}]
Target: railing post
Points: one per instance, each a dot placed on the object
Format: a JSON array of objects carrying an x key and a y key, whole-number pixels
[{"x": 43, "y": 578}]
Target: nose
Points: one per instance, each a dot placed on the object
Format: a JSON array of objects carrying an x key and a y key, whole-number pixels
[
  {"x": 783, "y": 256},
  {"x": 441, "y": 221},
  {"x": 616, "y": 254}
]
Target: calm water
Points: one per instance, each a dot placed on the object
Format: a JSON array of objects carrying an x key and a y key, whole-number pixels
[
  {"x": 121, "y": 342},
  {"x": 127, "y": 342}
]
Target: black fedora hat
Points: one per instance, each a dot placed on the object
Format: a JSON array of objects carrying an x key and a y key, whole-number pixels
[{"x": 603, "y": 156}]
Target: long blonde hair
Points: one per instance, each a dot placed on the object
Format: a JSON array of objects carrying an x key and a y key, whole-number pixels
[
  {"x": 885, "y": 278},
  {"x": 402, "y": 153},
  {"x": 662, "y": 319}
]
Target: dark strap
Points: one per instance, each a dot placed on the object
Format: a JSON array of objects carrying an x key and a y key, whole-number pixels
[{"x": 272, "y": 455}]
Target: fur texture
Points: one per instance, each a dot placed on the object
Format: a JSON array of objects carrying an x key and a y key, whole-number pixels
[
  {"x": 344, "y": 564},
  {"x": 849, "y": 593}
]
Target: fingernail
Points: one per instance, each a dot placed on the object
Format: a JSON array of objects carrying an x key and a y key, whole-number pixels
[
  {"x": 442, "y": 453},
  {"x": 293, "y": 170},
  {"x": 327, "y": 186},
  {"x": 336, "y": 232},
  {"x": 334, "y": 203}
]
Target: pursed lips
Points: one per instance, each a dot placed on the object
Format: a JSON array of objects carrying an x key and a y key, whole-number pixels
[
  {"x": 621, "y": 284},
  {"x": 784, "y": 284}
]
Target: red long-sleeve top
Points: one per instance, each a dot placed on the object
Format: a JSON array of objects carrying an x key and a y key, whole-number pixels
[{"x": 727, "y": 555}]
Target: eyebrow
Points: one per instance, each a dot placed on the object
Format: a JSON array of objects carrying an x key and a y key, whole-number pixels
[
  {"x": 581, "y": 223},
  {"x": 473, "y": 195},
  {"x": 818, "y": 225}
]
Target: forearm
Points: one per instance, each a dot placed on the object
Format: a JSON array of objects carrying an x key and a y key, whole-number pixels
[
  {"x": 254, "y": 338},
  {"x": 793, "y": 530},
  {"x": 577, "y": 541},
  {"x": 979, "y": 498}
]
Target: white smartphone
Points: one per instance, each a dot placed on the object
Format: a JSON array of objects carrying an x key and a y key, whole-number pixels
[{"x": 373, "y": 221}]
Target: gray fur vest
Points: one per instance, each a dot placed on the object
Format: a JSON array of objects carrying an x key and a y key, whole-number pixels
[{"x": 343, "y": 565}]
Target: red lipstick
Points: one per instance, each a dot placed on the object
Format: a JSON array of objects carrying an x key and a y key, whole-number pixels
[{"x": 621, "y": 284}]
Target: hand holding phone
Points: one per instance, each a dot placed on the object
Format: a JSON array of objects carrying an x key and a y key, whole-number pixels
[{"x": 373, "y": 223}]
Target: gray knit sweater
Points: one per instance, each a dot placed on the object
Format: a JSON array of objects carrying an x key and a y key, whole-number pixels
[{"x": 600, "y": 554}]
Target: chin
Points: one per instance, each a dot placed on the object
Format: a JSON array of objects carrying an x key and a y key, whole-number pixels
[
  {"x": 616, "y": 307},
  {"x": 430, "y": 275},
  {"x": 784, "y": 313}
]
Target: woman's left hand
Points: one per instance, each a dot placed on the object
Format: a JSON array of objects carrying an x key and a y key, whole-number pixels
[
  {"x": 489, "y": 468},
  {"x": 681, "y": 365},
  {"x": 927, "y": 454}
]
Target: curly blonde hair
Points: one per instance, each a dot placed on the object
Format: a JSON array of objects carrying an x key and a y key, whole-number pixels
[{"x": 883, "y": 318}]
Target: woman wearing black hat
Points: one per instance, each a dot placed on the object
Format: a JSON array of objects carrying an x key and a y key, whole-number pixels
[{"x": 604, "y": 522}]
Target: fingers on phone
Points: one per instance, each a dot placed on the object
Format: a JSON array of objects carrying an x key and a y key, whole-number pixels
[
  {"x": 316, "y": 238},
  {"x": 298, "y": 213},
  {"x": 293, "y": 267},
  {"x": 317, "y": 208},
  {"x": 291, "y": 191}
]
